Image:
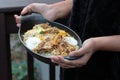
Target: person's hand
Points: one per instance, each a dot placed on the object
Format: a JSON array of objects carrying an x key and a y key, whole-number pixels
[
  {"x": 87, "y": 49},
  {"x": 44, "y": 9}
]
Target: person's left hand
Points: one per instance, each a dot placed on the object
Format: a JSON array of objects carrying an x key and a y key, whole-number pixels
[{"x": 87, "y": 49}]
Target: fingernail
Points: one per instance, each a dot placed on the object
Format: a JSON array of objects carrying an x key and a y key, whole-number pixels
[{"x": 18, "y": 25}]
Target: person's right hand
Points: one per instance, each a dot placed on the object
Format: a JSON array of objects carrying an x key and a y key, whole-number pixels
[
  {"x": 44, "y": 9},
  {"x": 86, "y": 51}
]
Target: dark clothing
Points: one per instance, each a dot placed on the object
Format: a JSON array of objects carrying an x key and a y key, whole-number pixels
[{"x": 93, "y": 18}]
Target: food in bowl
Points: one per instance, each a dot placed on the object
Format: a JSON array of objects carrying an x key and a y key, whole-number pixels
[{"x": 49, "y": 40}]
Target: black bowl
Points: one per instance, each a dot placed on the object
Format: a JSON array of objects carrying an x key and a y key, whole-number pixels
[{"x": 28, "y": 21}]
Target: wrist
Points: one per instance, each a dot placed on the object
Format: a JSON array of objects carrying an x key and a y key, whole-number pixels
[
  {"x": 61, "y": 9},
  {"x": 97, "y": 43},
  {"x": 94, "y": 44},
  {"x": 53, "y": 11}
]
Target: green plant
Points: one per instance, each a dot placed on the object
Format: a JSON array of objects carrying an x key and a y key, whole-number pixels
[
  {"x": 18, "y": 57},
  {"x": 19, "y": 70}
]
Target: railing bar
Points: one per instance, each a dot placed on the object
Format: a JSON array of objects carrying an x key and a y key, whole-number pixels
[
  {"x": 52, "y": 72},
  {"x": 30, "y": 65}
]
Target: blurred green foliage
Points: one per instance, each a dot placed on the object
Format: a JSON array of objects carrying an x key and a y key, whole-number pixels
[
  {"x": 19, "y": 62},
  {"x": 19, "y": 70}
]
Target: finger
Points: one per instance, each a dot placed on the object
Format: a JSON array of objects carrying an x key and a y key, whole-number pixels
[
  {"x": 61, "y": 61},
  {"x": 17, "y": 19},
  {"x": 58, "y": 59},
  {"x": 26, "y": 10},
  {"x": 65, "y": 63},
  {"x": 54, "y": 59},
  {"x": 69, "y": 63},
  {"x": 76, "y": 53},
  {"x": 66, "y": 66},
  {"x": 83, "y": 60},
  {"x": 79, "y": 52},
  {"x": 18, "y": 25}
]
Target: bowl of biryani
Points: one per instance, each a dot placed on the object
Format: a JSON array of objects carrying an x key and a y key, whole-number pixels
[{"x": 43, "y": 38}]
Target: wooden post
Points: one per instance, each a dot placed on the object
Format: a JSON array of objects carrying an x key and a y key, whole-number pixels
[{"x": 5, "y": 57}]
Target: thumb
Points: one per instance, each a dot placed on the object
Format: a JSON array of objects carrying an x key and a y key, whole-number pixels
[
  {"x": 77, "y": 52},
  {"x": 26, "y": 10}
]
